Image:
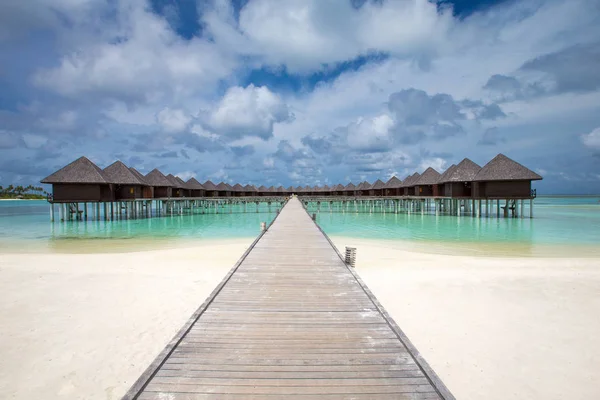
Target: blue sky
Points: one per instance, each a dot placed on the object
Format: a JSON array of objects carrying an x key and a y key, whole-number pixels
[{"x": 301, "y": 91}]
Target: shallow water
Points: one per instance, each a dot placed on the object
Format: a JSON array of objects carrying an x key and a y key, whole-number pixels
[{"x": 563, "y": 226}]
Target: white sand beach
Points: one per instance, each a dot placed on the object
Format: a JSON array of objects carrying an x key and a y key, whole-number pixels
[
  {"x": 493, "y": 328},
  {"x": 87, "y": 325}
]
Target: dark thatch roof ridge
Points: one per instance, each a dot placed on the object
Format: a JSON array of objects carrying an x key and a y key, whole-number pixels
[
  {"x": 350, "y": 186},
  {"x": 138, "y": 175},
  {"x": 119, "y": 174},
  {"x": 174, "y": 182},
  {"x": 181, "y": 181},
  {"x": 378, "y": 184},
  {"x": 393, "y": 183},
  {"x": 157, "y": 178},
  {"x": 238, "y": 188},
  {"x": 223, "y": 186},
  {"x": 262, "y": 188},
  {"x": 465, "y": 171},
  {"x": 249, "y": 188},
  {"x": 81, "y": 170},
  {"x": 443, "y": 177},
  {"x": 410, "y": 181},
  {"x": 502, "y": 168},
  {"x": 193, "y": 184},
  {"x": 429, "y": 177},
  {"x": 208, "y": 185}
]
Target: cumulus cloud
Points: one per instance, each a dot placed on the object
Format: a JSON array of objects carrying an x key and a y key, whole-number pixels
[
  {"x": 311, "y": 33},
  {"x": 173, "y": 120},
  {"x": 140, "y": 59},
  {"x": 592, "y": 139},
  {"x": 249, "y": 111}
]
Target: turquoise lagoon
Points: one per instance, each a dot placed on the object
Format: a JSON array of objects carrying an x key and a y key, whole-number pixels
[{"x": 563, "y": 226}]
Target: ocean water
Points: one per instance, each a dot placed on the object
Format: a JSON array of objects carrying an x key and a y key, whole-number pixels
[
  {"x": 563, "y": 226},
  {"x": 25, "y": 227}
]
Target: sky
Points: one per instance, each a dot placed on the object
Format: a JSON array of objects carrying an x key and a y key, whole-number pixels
[{"x": 301, "y": 92}]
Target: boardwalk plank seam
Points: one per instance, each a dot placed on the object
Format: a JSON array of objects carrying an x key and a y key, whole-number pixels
[
  {"x": 328, "y": 324},
  {"x": 412, "y": 350},
  {"x": 139, "y": 385}
]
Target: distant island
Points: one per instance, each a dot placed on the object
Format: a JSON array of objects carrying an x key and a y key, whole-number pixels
[{"x": 20, "y": 192}]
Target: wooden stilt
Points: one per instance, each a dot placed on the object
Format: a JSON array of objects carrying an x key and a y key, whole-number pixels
[{"x": 530, "y": 208}]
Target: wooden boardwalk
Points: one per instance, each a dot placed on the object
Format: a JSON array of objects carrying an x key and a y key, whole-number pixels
[{"x": 290, "y": 319}]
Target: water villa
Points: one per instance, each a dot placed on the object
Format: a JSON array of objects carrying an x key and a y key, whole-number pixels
[{"x": 502, "y": 185}]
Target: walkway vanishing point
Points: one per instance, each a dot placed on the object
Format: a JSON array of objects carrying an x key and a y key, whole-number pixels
[{"x": 290, "y": 320}]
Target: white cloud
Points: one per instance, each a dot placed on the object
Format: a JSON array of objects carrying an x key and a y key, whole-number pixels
[
  {"x": 370, "y": 134},
  {"x": 436, "y": 163},
  {"x": 592, "y": 139},
  {"x": 173, "y": 120},
  {"x": 305, "y": 34},
  {"x": 140, "y": 60},
  {"x": 249, "y": 111}
]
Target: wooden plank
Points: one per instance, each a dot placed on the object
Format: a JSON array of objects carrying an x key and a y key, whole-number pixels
[{"x": 290, "y": 319}]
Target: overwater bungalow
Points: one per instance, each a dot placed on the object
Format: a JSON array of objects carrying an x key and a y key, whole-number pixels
[
  {"x": 350, "y": 189},
  {"x": 290, "y": 191},
  {"x": 126, "y": 185},
  {"x": 281, "y": 191},
  {"x": 223, "y": 190},
  {"x": 459, "y": 181},
  {"x": 377, "y": 188},
  {"x": 238, "y": 190},
  {"x": 392, "y": 187},
  {"x": 263, "y": 191},
  {"x": 184, "y": 189},
  {"x": 177, "y": 188},
  {"x": 250, "y": 190},
  {"x": 504, "y": 178},
  {"x": 147, "y": 190},
  {"x": 81, "y": 180},
  {"x": 426, "y": 185},
  {"x": 195, "y": 188},
  {"x": 440, "y": 184},
  {"x": 365, "y": 188},
  {"x": 408, "y": 184},
  {"x": 326, "y": 191},
  {"x": 161, "y": 185},
  {"x": 340, "y": 190},
  {"x": 210, "y": 189}
]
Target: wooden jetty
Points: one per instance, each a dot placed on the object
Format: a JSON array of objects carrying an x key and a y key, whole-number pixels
[{"x": 290, "y": 319}]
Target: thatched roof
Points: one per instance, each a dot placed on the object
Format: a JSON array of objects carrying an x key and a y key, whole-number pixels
[
  {"x": 465, "y": 171},
  {"x": 443, "y": 177},
  {"x": 262, "y": 188},
  {"x": 350, "y": 186},
  {"x": 138, "y": 175},
  {"x": 181, "y": 181},
  {"x": 253, "y": 188},
  {"x": 193, "y": 184},
  {"x": 157, "y": 178},
  {"x": 249, "y": 188},
  {"x": 502, "y": 168},
  {"x": 429, "y": 177},
  {"x": 208, "y": 185},
  {"x": 378, "y": 185},
  {"x": 393, "y": 183},
  {"x": 410, "y": 181},
  {"x": 281, "y": 189},
  {"x": 238, "y": 188},
  {"x": 339, "y": 187},
  {"x": 175, "y": 183},
  {"x": 81, "y": 170},
  {"x": 223, "y": 187},
  {"x": 290, "y": 189},
  {"x": 119, "y": 174}
]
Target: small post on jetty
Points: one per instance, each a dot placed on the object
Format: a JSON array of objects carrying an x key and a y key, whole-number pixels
[{"x": 350, "y": 258}]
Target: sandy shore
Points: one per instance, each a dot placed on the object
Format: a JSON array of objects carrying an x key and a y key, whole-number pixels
[
  {"x": 494, "y": 328},
  {"x": 87, "y": 325}
]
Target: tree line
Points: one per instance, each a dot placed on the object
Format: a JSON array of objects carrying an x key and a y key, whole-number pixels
[{"x": 22, "y": 192}]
